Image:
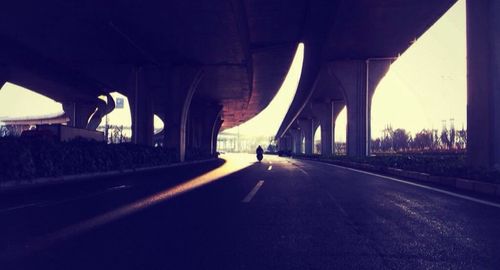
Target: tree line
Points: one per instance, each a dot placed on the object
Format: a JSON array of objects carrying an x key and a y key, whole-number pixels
[{"x": 400, "y": 140}]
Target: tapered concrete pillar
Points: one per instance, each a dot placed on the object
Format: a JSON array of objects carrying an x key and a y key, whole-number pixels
[
  {"x": 307, "y": 128},
  {"x": 296, "y": 141},
  {"x": 282, "y": 144},
  {"x": 203, "y": 127},
  {"x": 288, "y": 142},
  {"x": 194, "y": 130},
  {"x": 141, "y": 107},
  {"x": 316, "y": 126},
  {"x": 359, "y": 80},
  {"x": 184, "y": 82},
  {"x": 79, "y": 112},
  {"x": 285, "y": 143},
  {"x": 215, "y": 133},
  {"x": 103, "y": 108},
  {"x": 326, "y": 113},
  {"x": 323, "y": 111},
  {"x": 483, "y": 86}
]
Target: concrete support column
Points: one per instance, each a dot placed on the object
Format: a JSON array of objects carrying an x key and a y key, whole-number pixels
[
  {"x": 194, "y": 130},
  {"x": 215, "y": 133},
  {"x": 307, "y": 128},
  {"x": 326, "y": 113},
  {"x": 323, "y": 111},
  {"x": 214, "y": 125},
  {"x": 184, "y": 82},
  {"x": 141, "y": 106},
  {"x": 359, "y": 80},
  {"x": 283, "y": 143},
  {"x": 296, "y": 141},
  {"x": 286, "y": 142},
  {"x": 103, "y": 108},
  {"x": 316, "y": 125},
  {"x": 79, "y": 112},
  {"x": 483, "y": 86},
  {"x": 203, "y": 127}
]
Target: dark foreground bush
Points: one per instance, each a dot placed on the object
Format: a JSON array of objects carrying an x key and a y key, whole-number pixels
[{"x": 25, "y": 158}]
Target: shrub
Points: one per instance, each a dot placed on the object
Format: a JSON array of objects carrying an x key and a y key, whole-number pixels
[
  {"x": 25, "y": 158},
  {"x": 439, "y": 163}
]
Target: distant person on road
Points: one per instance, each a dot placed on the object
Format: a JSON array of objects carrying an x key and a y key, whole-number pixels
[{"x": 260, "y": 153}]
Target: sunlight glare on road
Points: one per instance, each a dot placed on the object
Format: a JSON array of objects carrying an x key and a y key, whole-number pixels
[{"x": 233, "y": 164}]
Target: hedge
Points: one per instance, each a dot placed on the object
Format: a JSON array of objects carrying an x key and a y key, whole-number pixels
[
  {"x": 26, "y": 158},
  {"x": 453, "y": 165}
]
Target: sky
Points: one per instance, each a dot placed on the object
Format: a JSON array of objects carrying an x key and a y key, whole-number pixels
[
  {"x": 16, "y": 101},
  {"x": 424, "y": 86}
]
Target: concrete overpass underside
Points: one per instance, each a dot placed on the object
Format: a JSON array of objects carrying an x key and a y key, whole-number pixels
[
  {"x": 229, "y": 55},
  {"x": 345, "y": 61},
  {"x": 216, "y": 64}
]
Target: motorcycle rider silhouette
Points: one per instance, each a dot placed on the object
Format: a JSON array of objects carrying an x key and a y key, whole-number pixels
[{"x": 260, "y": 153}]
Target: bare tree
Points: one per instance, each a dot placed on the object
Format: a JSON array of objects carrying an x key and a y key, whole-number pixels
[
  {"x": 400, "y": 139},
  {"x": 461, "y": 139},
  {"x": 4, "y": 131},
  {"x": 376, "y": 145},
  {"x": 445, "y": 140},
  {"x": 423, "y": 140},
  {"x": 386, "y": 144}
]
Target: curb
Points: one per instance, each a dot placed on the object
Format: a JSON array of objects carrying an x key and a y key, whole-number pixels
[
  {"x": 46, "y": 181},
  {"x": 454, "y": 182}
]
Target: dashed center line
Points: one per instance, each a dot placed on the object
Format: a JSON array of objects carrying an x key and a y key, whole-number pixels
[
  {"x": 119, "y": 187},
  {"x": 270, "y": 168},
  {"x": 18, "y": 207},
  {"x": 453, "y": 194},
  {"x": 252, "y": 193}
]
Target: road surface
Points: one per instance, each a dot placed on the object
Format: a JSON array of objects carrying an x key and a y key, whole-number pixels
[{"x": 279, "y": 214}]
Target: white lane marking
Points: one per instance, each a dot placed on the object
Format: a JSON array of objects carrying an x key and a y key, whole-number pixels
[
  {"x": 18, "y": 207},
  {"x": 300, "y": 169},
  {"x": 465, "y": 197},
  {"x": 336, "y": 203},
  {"x": 270, "y": 168},
  {"x": 252, "y": 193},
  {"x": 119, "y": 187}
]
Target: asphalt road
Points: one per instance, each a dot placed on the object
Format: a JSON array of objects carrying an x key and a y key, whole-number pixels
[{"x": 278, "y": 214}]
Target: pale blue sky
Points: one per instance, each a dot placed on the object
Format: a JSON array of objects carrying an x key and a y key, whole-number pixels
[{"x": 426, "y": 85}]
